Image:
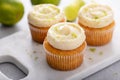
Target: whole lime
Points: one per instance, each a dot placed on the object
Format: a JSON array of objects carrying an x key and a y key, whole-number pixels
[
  {"x": 11, "y": 11},
  {"x": 71, "y": 10},
  {"x": 35, "y": 2}
]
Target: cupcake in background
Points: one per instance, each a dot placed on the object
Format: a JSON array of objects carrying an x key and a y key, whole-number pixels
[
  {"x": 64, "y": 46},
  {"x": 41, "y": 18},
  {"x": 98, "y": 23}
]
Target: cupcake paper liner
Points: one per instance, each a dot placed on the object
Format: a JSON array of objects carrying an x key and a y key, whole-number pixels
[
  {"x": 97, "y": 38},
  {"x": 38, "y": 35},
  {"x": 64, "y": 62}
]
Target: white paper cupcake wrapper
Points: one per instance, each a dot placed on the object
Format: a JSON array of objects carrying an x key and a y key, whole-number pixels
[
  {"x": 38, "y": 34},
  {"x": 97, "y": 38},
  {"x": 61, "y": 62}
]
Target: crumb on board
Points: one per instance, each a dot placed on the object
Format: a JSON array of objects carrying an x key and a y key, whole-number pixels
[
  {"x": 100, "y": 53},
  {"x": 36, "y": 58},
  {"x": 34, "y": 51},
  {"x": 37, "y": 44},
  {"x": 90, "y": 58},
  {"x": 92, "y": 49},
  {"x": 115, "y": 74}
]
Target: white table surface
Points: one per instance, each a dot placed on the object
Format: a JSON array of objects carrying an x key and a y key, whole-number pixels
[{"x": 110, "y": 73}]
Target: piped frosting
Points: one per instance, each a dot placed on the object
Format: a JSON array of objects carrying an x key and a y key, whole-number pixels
[
  {"x": 95, "y": 15},
  {"x": 45, "y": 15},
  {"x": 65, "y": 36}
]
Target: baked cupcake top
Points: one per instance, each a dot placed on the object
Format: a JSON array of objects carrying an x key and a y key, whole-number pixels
[
  {"x": 65, "y": 36},
  {"x": 95, "y": 15},
  {"x": 45, "y": 15}
]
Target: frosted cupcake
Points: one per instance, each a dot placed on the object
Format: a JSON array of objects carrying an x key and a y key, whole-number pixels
[
  {"x": 64, "y": 46},
  {"x": 98, "y": 23},
  {"x": 41, "y": 18}
]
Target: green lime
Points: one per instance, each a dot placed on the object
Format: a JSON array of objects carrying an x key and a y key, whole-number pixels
[
  {"x": 71, "y": 10},
  {"x": 11, "y": 11},
  {"x": 35, "y": 2}
]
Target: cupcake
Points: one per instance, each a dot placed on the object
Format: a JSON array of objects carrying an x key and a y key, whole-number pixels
[
  {"x": 41, "y": 18},
  {"x": 64, "y": 46},
  {"x": 98, "y": 23}
]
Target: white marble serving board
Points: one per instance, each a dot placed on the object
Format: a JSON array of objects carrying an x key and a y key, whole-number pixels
[{"x": 30, "y": 56}]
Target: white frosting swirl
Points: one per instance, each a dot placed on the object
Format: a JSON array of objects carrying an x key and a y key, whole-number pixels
[
  {"x": 45, "y": 15},
  {"x": 95, "y": 15},
  {"x": 66, "y": 36}
]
